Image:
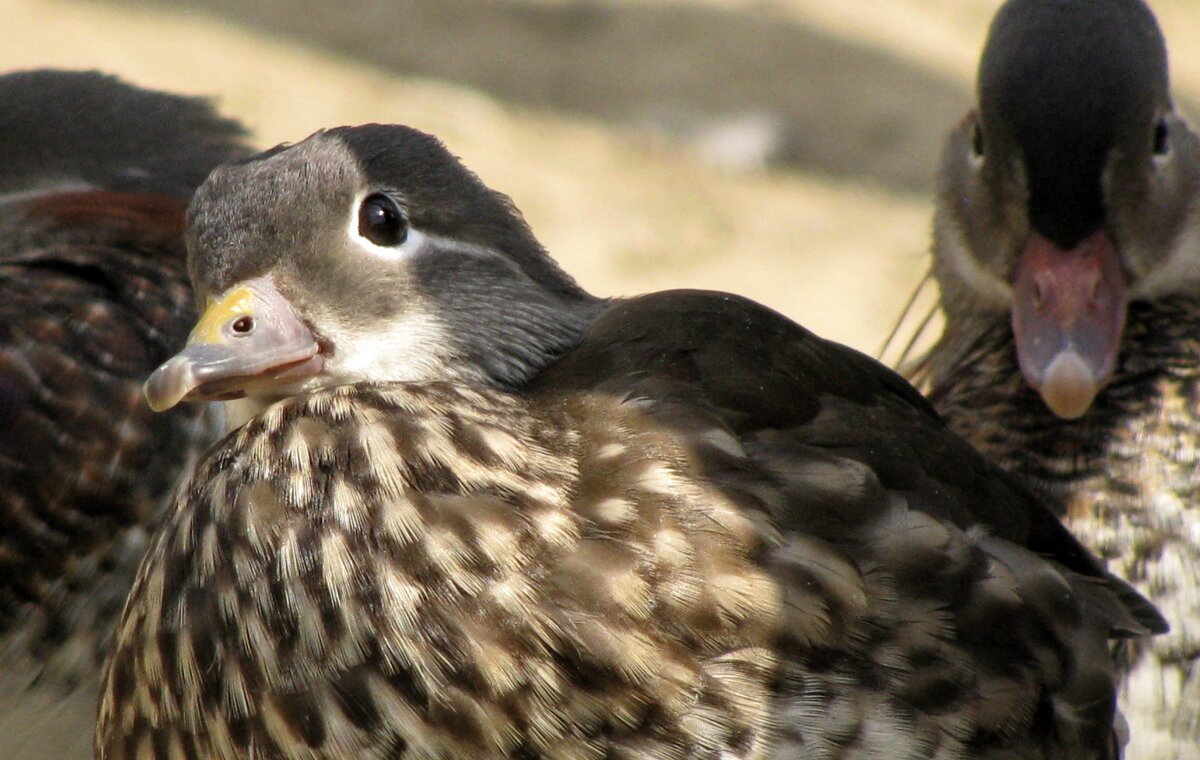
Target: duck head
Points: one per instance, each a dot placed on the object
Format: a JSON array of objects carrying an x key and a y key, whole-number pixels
[{"x": 363, "y": 254}]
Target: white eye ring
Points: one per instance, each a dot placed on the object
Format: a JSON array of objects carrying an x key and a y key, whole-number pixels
[{"x": 975, "y": 151}]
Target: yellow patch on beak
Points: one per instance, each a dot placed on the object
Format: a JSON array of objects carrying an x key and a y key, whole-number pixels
[
  {"x": 209, "y": 330},
  {"x": 248, "y": 340}
]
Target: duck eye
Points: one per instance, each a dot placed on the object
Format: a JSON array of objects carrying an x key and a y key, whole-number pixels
[
  {"x": 1161, "y": 142},
  {"x": 243, "y": 325},
  {"x": 380, "y": 220},
  {"x": 977, "y": 141}
]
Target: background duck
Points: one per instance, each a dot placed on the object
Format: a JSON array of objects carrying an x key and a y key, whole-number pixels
[
  {"x": 476, "y": 512},
  {"x": 94, "y": 177},
  {"x": 1067, "y": 252}
]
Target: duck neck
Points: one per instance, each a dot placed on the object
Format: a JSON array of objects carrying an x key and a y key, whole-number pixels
[{"x": 535, "y": 334}]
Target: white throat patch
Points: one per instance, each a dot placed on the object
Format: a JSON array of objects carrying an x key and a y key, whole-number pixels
[{"x": 408, "y": 348}]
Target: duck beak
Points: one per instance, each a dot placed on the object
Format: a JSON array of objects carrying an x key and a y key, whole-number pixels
[
  {"x": 1068, "y": 315},
  {"x": 248, "y": 338}
]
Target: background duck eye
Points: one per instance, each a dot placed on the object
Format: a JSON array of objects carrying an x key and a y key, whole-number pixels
[
  {"x": 1161, "y": 142},
  {"x": 977, "y": 141},
  {"x": 380, "y": 220}
]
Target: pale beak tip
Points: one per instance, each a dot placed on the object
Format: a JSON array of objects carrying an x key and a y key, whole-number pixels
[
  {"x": 1069, "y": 386},
  {"x": 169, "y": 384}
]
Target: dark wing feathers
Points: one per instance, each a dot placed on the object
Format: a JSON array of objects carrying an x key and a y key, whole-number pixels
[{"x": 773, "y": 383}]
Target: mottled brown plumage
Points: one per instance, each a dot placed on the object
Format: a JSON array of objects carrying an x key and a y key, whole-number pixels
[
  {"x": 674, "y": 526},
  {"x": 1077, "y": 156},
  {"x": 93, "y": 295}
]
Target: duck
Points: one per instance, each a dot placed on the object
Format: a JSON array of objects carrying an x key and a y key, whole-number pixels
[
  {"x": 466, "y": 509},
  {"x": 95, "y": 176},
  {"x": 1066, "y": 248}
]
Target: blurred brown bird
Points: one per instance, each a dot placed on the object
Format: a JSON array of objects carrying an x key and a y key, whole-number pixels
[
  {"x": 94, "y": 177},
  {"x": 479, "y": 513},
  {"x": 1067, "y": 251}
]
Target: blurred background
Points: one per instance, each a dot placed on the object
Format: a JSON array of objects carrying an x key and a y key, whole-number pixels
[{"x": 782, "y": 149}]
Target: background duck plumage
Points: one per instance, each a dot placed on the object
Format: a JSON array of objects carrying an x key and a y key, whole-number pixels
[{"x": 94, "y": 179}]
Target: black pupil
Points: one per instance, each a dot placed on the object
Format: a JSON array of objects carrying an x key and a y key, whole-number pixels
[
  {"x": 1160, "y": 138},
  {"x": 380, "y": 221},
  {"x": 243, "y": 325}
]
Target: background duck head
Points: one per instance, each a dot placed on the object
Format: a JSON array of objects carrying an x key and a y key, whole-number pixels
[{"x": 1069, "y": 192}]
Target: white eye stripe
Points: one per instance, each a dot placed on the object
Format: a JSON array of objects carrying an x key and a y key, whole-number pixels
[
  {"x": 458, "y": 246},
  {"x": 415, "y": 242}
]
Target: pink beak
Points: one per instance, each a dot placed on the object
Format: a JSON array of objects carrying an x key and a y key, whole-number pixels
[{"x": 1068, "y": 315}]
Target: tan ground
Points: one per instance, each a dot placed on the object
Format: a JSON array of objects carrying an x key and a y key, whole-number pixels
[{"x": 624, "y": 212}]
